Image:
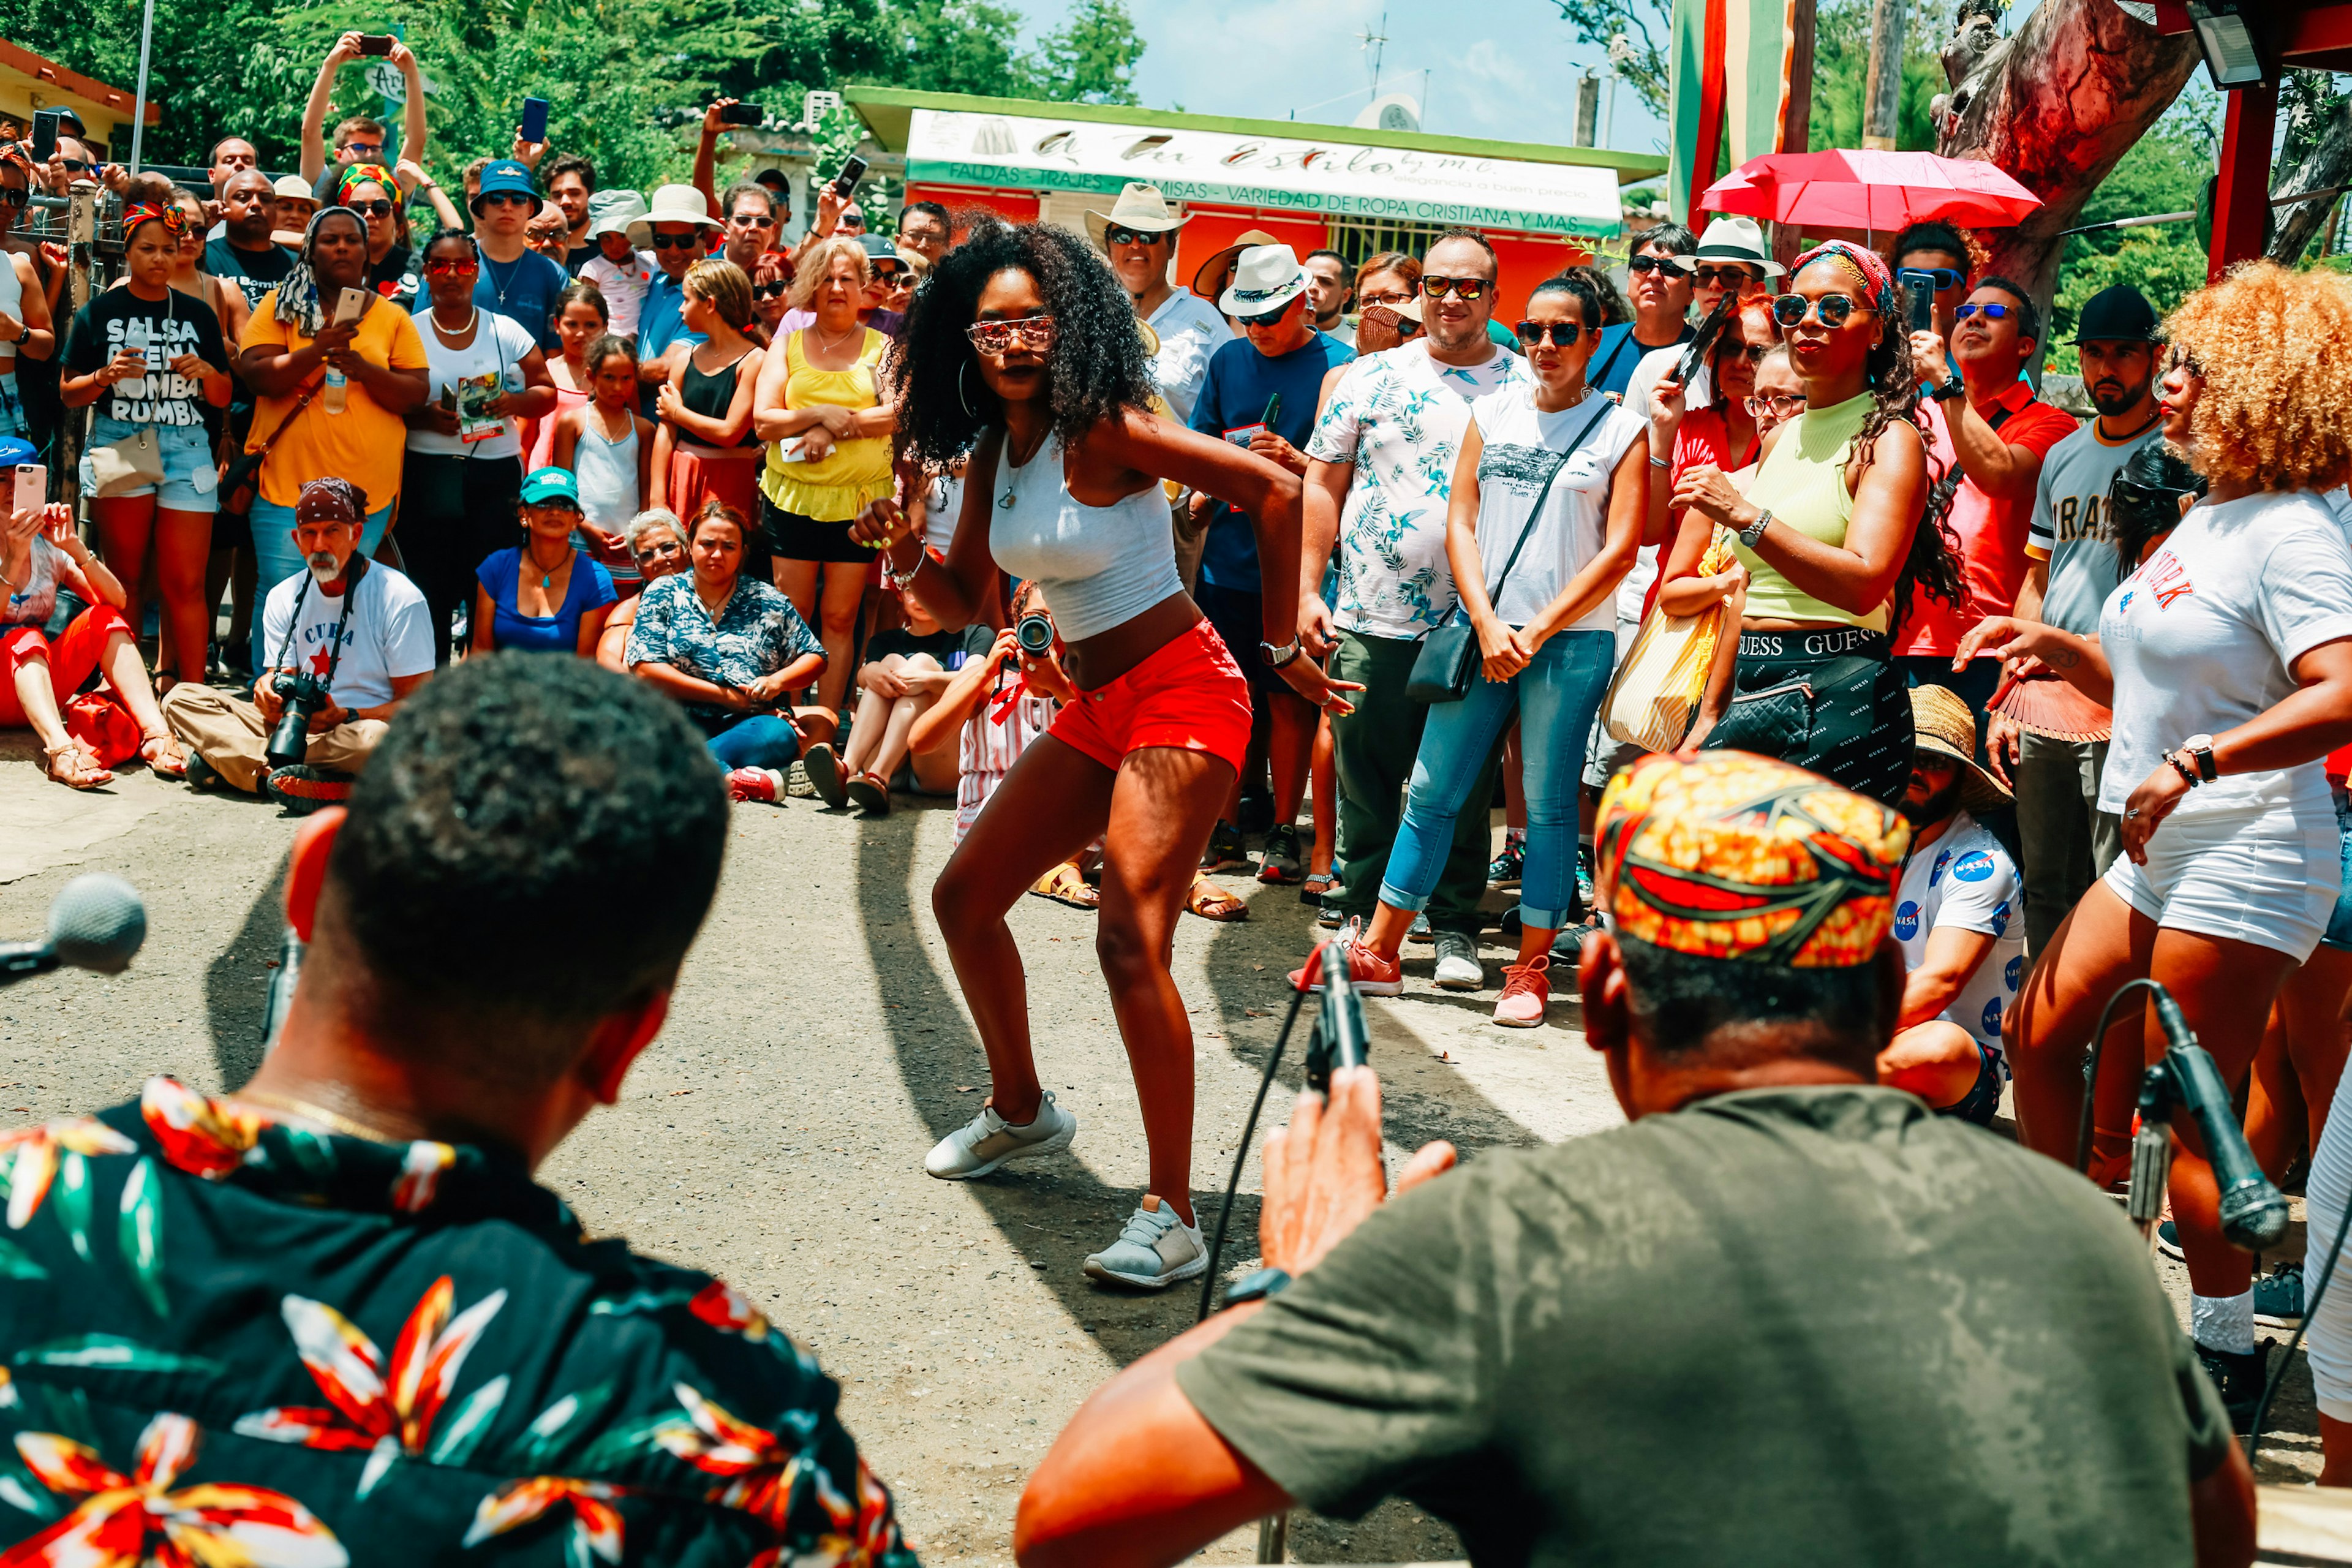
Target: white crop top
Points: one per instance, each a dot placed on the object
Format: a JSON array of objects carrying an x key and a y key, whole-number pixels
[
  {"x": 1100, "y": 564},
  {"x": 11, "y": 300}
]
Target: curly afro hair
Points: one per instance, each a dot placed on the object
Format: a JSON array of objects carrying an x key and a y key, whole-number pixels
[
  {"x": 1096, "y": 370},
  {"x": 2275, "y": 350}
]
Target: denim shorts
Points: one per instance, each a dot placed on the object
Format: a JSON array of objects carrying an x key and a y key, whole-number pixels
[
  {"x": 190, "y": 477},
  {"x": 2338, "y": 934}
]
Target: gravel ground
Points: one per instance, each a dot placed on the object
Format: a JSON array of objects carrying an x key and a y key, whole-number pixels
[{"x": 773, "y": 1134}]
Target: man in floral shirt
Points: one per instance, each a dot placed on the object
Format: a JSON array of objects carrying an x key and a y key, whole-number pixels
[
  {"x": 1380, "y": 469},
  {"x": 332, "y": 1320}
]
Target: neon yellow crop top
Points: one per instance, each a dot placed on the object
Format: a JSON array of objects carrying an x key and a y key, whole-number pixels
[{"x": 1803, "y": 481}]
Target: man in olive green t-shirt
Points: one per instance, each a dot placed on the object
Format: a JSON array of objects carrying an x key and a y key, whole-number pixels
[{"x": 1786, "y": 1315}]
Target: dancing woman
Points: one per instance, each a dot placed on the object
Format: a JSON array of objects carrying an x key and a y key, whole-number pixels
[{"x": 1022, "y": 351}]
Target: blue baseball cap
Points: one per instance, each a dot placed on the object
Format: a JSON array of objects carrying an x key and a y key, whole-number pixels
[
  {"x": 550, "y": 484},
  {"x": 504, "y": 176},
  {"x": 15, "y": 450}
]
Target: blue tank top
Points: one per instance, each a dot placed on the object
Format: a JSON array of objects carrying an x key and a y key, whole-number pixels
[{"x": 501, "y": 575}]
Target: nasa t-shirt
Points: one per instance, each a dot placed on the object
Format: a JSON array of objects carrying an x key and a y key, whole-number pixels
[{"x": 1965, "y": 880}]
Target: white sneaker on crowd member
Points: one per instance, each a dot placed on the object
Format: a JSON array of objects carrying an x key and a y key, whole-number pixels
[
  {"x": 1458, "y": 968},
  {"x": 1155, "y": 1250},
  {"x": 988, "y": 1140}
]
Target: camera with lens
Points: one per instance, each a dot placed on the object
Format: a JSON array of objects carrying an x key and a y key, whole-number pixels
[
  {"x": 1035, "y": 634},
  {"x": 305, "y": 696}
]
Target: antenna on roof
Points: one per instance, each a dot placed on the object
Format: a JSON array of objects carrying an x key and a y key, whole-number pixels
[{"x": 1375, "y": 40}]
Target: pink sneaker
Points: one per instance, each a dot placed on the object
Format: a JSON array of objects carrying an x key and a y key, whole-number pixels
[
  {"x": 1373, "y": 974},
  {"x": 762, "y": 785},
  {"x": 1527, "y": 992}
]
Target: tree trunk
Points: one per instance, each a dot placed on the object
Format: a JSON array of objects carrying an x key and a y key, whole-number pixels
[
  {"x": 2326, "y": 166},
  {"x": 1882, "y": 103},
  {"x": 2056, "y": 106}
]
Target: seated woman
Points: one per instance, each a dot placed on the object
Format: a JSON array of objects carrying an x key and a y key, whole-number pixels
[
  {"x": 906, "y": 670},
  {"x": 40, "y": 553},
  {"x": 657, "y": 542},
  {"x": 544, "y": 594},
  {"x": 730, "y": 649}
]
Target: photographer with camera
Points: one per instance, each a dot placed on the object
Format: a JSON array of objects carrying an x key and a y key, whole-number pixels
[
  {"x": 1860, "y": 1332},
  {"x": 345, "y": 640}
]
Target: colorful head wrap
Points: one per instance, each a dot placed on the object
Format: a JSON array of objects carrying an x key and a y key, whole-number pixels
[
  {"x": 299, "y": 305},
  {"x": 331, "y": 500},
  {"x": 361, "y": 174},
  {"x": 168, "y": 214},
  {"x": 1725, "y": 855},
  {"x": 1867, "y": 268}
]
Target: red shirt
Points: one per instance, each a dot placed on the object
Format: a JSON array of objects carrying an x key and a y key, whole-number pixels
[
  {"x": 1991, "y": 533},
  {"x": 1704, "y": 437}
]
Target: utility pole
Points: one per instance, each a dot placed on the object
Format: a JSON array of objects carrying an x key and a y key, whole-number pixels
[{"x": 1882, "y": 104}]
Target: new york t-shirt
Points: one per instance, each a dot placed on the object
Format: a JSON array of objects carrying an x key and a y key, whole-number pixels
[
  {"x": 1966, "y": 881},
  {"x": 388, "y": 634},
  {"x": 163, "y": 330}
]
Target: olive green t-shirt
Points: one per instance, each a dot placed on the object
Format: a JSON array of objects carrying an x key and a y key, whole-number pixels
[{"x": 1815, "y": 1325}]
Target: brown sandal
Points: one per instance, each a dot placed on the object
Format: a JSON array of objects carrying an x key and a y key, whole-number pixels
[
  {"x": 164, "y": 755},
  {"x": 1064, "y": 886},
  {"x": 1212, "y": 902},
  {"x": 85, "y": 772}
]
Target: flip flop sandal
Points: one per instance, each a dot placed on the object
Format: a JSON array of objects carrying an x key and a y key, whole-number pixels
[
  {"x": 1064, "y": 886},
  {"x": 1317, "y": 883},
  {"x": 170, "y": 762},
  {"x": 84, "y": 770},
  {"x": 1212, "y": 902},
  {"x": 869, "y": 794}
]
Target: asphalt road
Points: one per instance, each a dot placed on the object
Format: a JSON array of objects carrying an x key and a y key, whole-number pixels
[{"x": 773, "y": 1134}]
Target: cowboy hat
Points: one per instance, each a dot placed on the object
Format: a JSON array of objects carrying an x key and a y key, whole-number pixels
[
  {"x": 681, "y": 204},
  {"x": 1210, "y": 279},
  {"x": 1266, "y": 278},
  {"x": 1140, "y": 207},
  {"x": 1944, "y": 724},
  {"x": 1732, "y": 240}
]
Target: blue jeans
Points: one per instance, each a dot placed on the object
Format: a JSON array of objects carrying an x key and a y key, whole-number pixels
[
  {"x": 275, "y": 558},
  {"x": 757, "y": 741},
  {"x": 1555, "y": 699}
]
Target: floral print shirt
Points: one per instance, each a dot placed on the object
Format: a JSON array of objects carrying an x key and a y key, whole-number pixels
[
  {"x": 230, "y": 1340},
  {"x": 1398, "y": 417},
  {"x": 758, "y": 632}
]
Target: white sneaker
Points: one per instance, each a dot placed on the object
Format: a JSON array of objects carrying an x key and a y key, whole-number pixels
[
  {"x": 1155, "y": 1250},
  {"x": 1458, "y": 968},
  {"x": 988, "y": 1140}
]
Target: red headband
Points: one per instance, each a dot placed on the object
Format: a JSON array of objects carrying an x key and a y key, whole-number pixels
[{"x": 1868, "y": 268}]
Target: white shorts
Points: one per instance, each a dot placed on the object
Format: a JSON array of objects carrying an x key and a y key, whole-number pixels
[
  {"x": 2328, "y": 1333},
  {"x": 2265, "y": 878}
]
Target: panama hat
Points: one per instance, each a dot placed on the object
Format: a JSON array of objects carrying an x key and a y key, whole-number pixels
[
  {"x": 1732, "y": 240},
  {"x": 1943, "y": 724},
  {"x": 617, "y": 212},
  {"x": 1140, "y": 207},
  {"x": 1266, "y": 278},
  {"x": 1209, "y": 280},
  {"x": 681, "y": 204}
]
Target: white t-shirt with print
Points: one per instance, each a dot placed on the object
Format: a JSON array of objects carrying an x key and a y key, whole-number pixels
[
  {"x": 1189, "y": 331},
  {"x": 2200, "y": 639},
  {"x": 623, "y": 286},
  {"x": 1966, "y": 880},
  {"x": 453, "y": 376},
  {"x": 1520, "y": 446},
  {"x": 390, "y": 634},
  {"x": 1398, "y": 417}
]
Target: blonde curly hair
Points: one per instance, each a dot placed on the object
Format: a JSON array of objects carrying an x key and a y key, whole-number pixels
[{"x": 2274, "y": 349}]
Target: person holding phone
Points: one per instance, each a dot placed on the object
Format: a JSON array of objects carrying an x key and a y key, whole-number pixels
[
  {"x": 149, "y": 363},
  {"x": 323, "y": 318},
  {"x": 359, "y": 140}
]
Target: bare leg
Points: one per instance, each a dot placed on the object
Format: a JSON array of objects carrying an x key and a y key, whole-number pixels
[
  {"x": 836, "y": 624},
  {"x": 1325, "y": 770},
  {"x": 2101, "y": 944},
  {"x": 1290, "y": 751},
  {"x": 873, "y": 715},
  {"x": 182, "y": 542},
  {"x": 1161, "y": 812},
  {"x": 243, "y": 575},
  {"x": 2311, "y": 1002},
  {"x": 127, "y": 674},
  {"x": 35, "y": 696},
  {"x": 1937, "y": 1061},
  {"x": 891, "y": 748},
  {"x": 126, "y": 526},
  {"x": 1048, "y": 808},
  {"x": 2274, "y": 1108},
  {"x": 797, "y": 580}
]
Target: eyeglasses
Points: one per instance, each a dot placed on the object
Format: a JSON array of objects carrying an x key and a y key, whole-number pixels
[
  {"x": 996, "y": 337},
  {"x": 1390, "y": 298},
  {"x": 770, "y": 290},
  {"x": 379, "y": 208},
  {"x": 465, "y": 269},
  {"x": 1832, "y": 309},
  {"x": 1115, "y": 235},
  {"x": 1469, "y": 290},
  {"x": 678, "y": 241},
  {"x": 1779, "y": 406},
  {"x": 1941, "y": 278},
  {"x": 1990, "y": 312},
  {"x": 753, "y": 220},
  {"x": 1640, "y": 264},
  {"x": 1562, "y": 334},
  {"x": 1709, "y": 276}
]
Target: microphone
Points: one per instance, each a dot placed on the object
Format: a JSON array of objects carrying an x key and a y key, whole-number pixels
[
  {"x": 2252, "y": 1212},
  {"x": 1339, "y": 1039},
  {"x": 96, "y": 922}
]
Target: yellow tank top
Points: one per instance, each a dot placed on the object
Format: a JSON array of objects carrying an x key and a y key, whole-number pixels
[
  {"x": 1803, "y": 481},
  {"x": 837, "y": 487}
]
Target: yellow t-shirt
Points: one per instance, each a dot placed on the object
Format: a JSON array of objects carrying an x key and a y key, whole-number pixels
[
  {"x": 366, "y": 443},
  {"x": 837, "y": 486},
  {"x": 1801, "y": 482}
]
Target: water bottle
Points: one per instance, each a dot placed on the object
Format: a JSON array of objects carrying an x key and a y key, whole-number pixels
[{"x": 333, "y": 398}]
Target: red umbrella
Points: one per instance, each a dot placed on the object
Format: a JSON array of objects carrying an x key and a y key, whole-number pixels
[{"x": 1870, "y": 190}]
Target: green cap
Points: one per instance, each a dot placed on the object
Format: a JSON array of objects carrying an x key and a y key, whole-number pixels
[{"x": 550, "y": 484}]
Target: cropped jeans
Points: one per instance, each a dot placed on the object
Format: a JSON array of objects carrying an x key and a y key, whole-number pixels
[{"x": 1555, "y": 697}]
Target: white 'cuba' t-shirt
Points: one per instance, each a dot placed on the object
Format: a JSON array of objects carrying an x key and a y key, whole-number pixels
[
  {"x": 2200, "y": 639},
  {"x": 1520, "y": 446},
  {"x": 1966, "y": 880},
  {"x": 388, "y": 636}
]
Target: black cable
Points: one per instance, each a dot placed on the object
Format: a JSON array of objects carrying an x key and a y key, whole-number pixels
[
  {"x": 1249, "y": 1130},
  {"x": 2090, "y": 1074},
  {"x": 2310, "y": 1309}
]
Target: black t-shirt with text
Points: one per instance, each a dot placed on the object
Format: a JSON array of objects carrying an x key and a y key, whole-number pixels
[
  {"x": 254, "y": 272},
  {"x": 164, "y": 329}
]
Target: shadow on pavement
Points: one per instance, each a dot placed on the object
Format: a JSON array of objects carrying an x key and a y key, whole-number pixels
[{"x": 236, "y": 983}]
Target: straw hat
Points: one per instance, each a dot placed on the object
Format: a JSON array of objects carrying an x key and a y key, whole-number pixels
[
  {"x": 1732, "y": 240},
  {"x": 1140, "y": 207},
  {"x": 1210, "y": 279},
  {"x": 1943, "y": 724},
  {"x": 1266, "y": 278},
  {"x": 681, "y": 204}
]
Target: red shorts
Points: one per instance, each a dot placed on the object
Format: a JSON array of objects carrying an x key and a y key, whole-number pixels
[{"x": 1189, "y": 694}]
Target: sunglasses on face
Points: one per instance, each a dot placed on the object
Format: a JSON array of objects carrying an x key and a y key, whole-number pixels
[
  {"x": 365, "y": 152},
  {"x": 78, "y": 165},
  {"x": 677, "y": 241},
  {"x": 753, "y": 220},
  {"x": 379, "y": 208},
  {"x": 1752, "y": 352},
  {"x": 13, "y": 195},
  {"x": 996, "y": 337},
  {"x": 1469, "y": 290},
  {"x": 1780, "y": 404},
  {"x": 1727, "y": 276},
  {"x": 510, "y": 198},
  {"x": 1265, "y": 319},
  {"x": 1830, "y": 310},
  {"x": 1560, "y": 334},
  {"x": 1990, "y": 312},
  {"x": 465, "y": 269},
  {"x": 770, "y": 290},
  {"x": 1639, "y": 264},
  {"x": 886, "y": 271},
  {"x": 1114, "y": 234},
  {"x": 1941, "y": 278}
]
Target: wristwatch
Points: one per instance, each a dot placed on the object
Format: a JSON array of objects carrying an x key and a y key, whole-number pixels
[
  {"x": 2200, "y": 752},
  {"x": 23, "y": 335},
  {"x": 1257, "y": 1287},
  {"x": 1278, "y": 656},
  {"x": 1754, "y": 532},
  {"x": 1950, "y": 388}
]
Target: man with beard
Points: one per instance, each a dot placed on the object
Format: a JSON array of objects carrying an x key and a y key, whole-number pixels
[
  {"x": 1955, "y": 919},
  {"x": 357, "y": 627},
  {"x": 2068, "y": 842}
]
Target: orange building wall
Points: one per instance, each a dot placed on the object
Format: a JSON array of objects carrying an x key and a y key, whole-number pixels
[
  {"x": 1210, "y": 229},
  {"x": 1523, "y": 263}
]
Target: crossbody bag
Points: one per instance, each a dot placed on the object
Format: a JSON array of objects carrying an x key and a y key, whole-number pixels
[{"x": 133, "y": 462}]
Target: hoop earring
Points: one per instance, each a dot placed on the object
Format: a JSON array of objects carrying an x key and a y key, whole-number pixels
[{"x": 963, "y": 397}]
